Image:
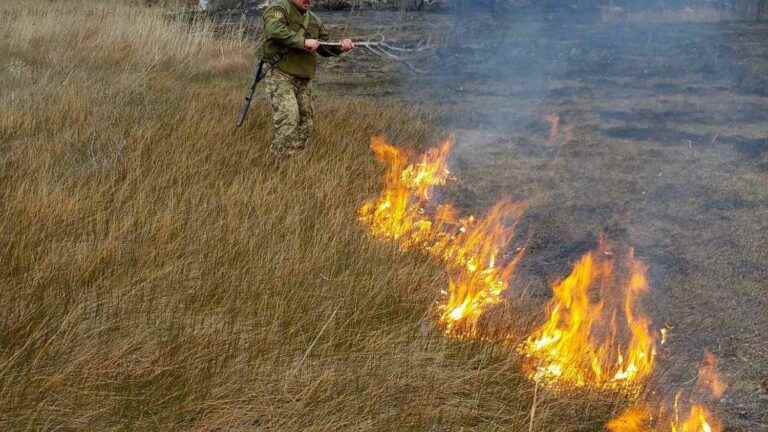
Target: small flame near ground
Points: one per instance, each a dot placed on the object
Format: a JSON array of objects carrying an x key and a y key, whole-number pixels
[
  {"x": 682, "y": 416},
  {"x": 581, "y": 343},
  {"x": 470, "y": 248},
  {"x": 558, "y": 134}
]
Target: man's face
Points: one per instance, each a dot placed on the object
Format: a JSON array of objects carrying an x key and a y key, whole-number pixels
[{"x": 302, "y": 4}]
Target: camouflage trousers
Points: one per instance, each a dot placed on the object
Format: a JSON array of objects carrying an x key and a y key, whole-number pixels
[{"x": 292, "y": 114}]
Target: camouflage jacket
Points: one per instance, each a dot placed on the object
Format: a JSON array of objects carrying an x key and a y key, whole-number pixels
[{"x": 285, "y": 28}]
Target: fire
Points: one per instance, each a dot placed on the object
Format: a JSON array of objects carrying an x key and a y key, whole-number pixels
[
  {"x": 398, "y": 213},
  {"x": 699, "y": 420},
  {"x": 556, "y": 130},
  {"x": 695, "y": 419},
  {"x": 554, "y": 127},
  {"x": 470, "y": 248},
  {"x": 580, "y": 344},
  {"x": 634, "y": 419},
  {"x": 709, "y": 380},
  {"x": 476, "y": 281},
  {"x": 594, "y": 335}
]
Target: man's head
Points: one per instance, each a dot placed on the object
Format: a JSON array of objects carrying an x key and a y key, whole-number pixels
[{"x": 302, "y": 4}]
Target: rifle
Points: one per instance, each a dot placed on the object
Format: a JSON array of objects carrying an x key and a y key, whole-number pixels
[{"x": 260, "y": 73}]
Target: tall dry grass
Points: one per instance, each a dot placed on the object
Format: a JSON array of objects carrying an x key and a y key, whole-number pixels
[{"x": 159, "y": 273}]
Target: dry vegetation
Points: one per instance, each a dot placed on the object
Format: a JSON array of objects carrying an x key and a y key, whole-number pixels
[{"x": 159, "y": 273}]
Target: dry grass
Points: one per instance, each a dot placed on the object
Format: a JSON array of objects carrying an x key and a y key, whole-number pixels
[{"x": 158, "y": 273}]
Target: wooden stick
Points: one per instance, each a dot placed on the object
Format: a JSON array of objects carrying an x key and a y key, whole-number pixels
[
  {"x": 360, "y": 44},
  {"x": 383, "y": 50}
]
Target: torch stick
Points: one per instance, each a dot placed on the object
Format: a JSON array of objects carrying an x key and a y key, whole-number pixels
[
  {"x": 382, "y": 49},
  {"x": 357, "y": 44}
]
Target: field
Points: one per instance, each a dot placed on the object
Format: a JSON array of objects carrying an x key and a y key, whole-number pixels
[{"x": 161, "y": 272}]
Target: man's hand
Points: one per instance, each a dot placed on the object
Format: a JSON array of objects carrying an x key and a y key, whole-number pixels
[
  {"x": 311, "y": 45},
  {"x": 346, "y": 45}
]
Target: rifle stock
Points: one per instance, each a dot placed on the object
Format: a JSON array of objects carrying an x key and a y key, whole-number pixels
[{"x": 249, "y": 97}]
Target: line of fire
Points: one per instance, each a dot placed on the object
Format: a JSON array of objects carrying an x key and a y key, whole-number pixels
[{"x": 594, "y": 334}]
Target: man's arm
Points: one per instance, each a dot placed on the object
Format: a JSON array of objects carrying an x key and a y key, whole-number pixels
[
  {"x": 325, "y": 50},
  {"x": 276, "y": 28},
  {"x": 331, "y": 50}
]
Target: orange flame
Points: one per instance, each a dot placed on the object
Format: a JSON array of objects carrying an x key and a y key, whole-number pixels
[
  {"x": 476, "y": 281},
  {"x": 580, "y": 343},
  {"x": 583, "y": 342},
  {"x": 556, "y": 131},
  {"x": 634, "y": 419},
  {"x": 640, "y": 419},
  {"x": 398, "y": 213},
  {"x": 709, "y": 379},
  {"x": 469, "y": 248},
  {"x": 697, "y": 419}
]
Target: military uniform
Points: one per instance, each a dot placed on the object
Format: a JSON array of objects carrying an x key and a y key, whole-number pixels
[{"x": 288, "y": 82}]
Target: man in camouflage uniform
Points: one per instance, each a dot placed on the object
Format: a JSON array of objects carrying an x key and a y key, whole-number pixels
[{"x": 291, "y": 41}]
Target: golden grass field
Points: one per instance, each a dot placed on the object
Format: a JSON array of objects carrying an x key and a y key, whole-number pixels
[{"x": 159, "y": 272}]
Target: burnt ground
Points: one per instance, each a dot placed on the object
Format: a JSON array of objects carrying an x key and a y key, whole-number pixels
[{"x": 663, "y": 147}]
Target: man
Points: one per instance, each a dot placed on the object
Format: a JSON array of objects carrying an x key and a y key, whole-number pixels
[{"x": 291, "y": 41}]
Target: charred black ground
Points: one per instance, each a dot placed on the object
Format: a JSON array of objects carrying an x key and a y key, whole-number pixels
[{"x": 668, "y": 153}]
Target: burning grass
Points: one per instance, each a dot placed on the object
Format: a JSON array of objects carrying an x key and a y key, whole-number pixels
[
  {"x": 681, "y": 414},
  {"x": 580, "y": 344},
  {"x": 604, "y": 344},
  {"x": 159, "y": 273},
  {"x": 468, "y": 247}
]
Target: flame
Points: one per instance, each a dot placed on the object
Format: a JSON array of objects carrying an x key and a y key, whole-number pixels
[
  {"x": 696, "y": 418},
  {"x": 664, "y": 332},
  {"x": 580, "y": 343},
  {"x": 708, "y": 385},
  {"x": 699, "y": 420},
  {"x": 556, "y": 131},
  {"x": 603, "y": 344},
  {"x": 470, "y": 249},
  {"x": 634, "y": 419},
  {"x": 476, "y": 282},
  {"x": 640, "y": 419},
  {"x": 709, "y": 380},
  {"x": 398, "y": 213}
]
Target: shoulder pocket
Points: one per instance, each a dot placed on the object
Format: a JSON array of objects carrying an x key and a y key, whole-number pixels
[{"x": 274, "y": 14}]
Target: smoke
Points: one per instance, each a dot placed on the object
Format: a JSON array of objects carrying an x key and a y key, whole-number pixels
[{"x": 664, "y": 106}]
